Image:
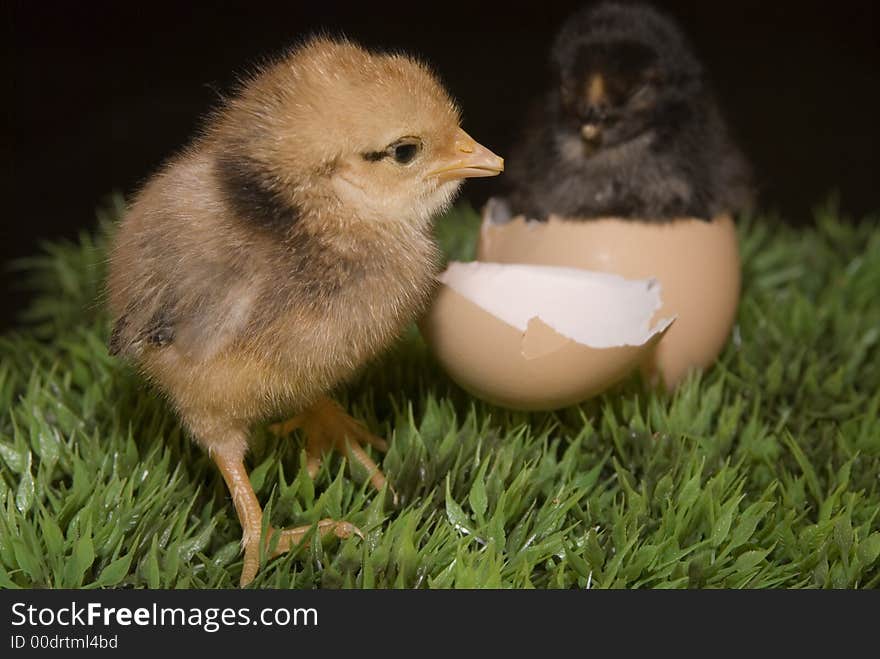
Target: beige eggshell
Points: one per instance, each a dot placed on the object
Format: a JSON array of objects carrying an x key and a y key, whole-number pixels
[
  {"x": 538, "y": 369},
  {"x": 696, "y": 262}
]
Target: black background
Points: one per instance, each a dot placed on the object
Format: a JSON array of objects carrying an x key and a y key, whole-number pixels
[{"x": 98, "y": 94}]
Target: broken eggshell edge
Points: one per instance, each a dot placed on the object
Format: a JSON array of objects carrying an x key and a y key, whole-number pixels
[{"x": 538, "y": 369}]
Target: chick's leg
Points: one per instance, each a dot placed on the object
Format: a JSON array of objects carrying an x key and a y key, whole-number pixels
[
  {"x": 328, "y": 427},
  {"x": 250, "y": 515}
]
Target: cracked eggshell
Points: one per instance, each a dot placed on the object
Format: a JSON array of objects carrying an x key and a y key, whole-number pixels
[
  {"x": 514, "y": 335},
  {"x": 696, "y": 262}
]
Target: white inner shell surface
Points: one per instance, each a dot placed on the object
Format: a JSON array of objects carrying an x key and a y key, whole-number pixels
[{"x": 595, "y": 309}]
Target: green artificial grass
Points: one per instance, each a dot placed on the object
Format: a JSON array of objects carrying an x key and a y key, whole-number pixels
[{"x": 763, "y": 472}]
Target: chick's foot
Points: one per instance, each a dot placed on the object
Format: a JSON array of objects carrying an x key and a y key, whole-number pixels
[
  {"x": 328, "y": 427},
  {"x": 250, "y": 515}
]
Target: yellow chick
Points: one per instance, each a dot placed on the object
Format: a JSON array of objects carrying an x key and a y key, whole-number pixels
[{"x": 289, "y": 244}]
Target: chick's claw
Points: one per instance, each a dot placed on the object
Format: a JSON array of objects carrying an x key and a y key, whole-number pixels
[
  {"x": 328, "y": 427},
  {"x": 283, "y": 428},
  {"x": 250, "y": 514},
  {"x": 289, "y": 538}
]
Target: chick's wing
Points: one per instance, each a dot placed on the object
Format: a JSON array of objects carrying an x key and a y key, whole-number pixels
[{"x": 192, "y": 314}]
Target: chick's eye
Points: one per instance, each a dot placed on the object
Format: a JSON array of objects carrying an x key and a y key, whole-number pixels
[{"x": 405, "y": 152}]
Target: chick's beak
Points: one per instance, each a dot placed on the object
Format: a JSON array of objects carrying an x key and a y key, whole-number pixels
[
  {"x": 591, "y": 132},
  {"x": 469, "y": 159}
]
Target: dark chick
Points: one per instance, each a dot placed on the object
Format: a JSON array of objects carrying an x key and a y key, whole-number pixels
[
  {"x": 629, "y": 129},
  {"x": 288, "y": 245}
]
